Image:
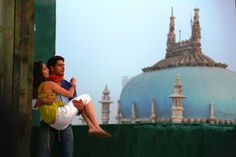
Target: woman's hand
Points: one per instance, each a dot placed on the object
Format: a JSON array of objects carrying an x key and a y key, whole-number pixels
[{"x": 73, "y": 81}]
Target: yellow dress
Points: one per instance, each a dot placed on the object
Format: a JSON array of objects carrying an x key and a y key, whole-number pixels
[{"x": 49, "y": 112}]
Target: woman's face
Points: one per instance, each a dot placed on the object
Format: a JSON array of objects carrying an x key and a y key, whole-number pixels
[{"x": 45, "y": 71}]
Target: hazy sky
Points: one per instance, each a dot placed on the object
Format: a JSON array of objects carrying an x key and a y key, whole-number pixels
[{"x": 104, "y": 40}]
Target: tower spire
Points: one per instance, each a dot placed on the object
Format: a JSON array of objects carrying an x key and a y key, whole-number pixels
[
  {"x": 179, "y": 35},
  {"x": 171, "y": 34},
  {"x": 133, "y": 113},
  {"x": 172, "y": 12},
  {"x": 105, "y": 105},
  {"x": 119, "y": 115},
  {"x": 177, "y": 99},
  {"x": 153, "y": 116},
  {"x": 212, "y": 118},
  {"x": 191, "y": 21},
  {"x": 196, "y": 33}
]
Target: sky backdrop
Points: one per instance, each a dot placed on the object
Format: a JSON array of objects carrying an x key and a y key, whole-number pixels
[{"x": 104, "y": 40}]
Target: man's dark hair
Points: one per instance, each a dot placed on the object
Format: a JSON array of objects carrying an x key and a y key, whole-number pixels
[{"x": 53, "y": 61}]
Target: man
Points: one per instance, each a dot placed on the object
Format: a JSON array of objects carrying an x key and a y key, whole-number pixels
[{"x": 49, "y": 137}]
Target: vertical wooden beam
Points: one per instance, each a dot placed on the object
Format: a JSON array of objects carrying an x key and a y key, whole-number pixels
[
  {"x": 2, "y": 10},
  {"x": 23, "y": 67},
  {"x": 16, "y": 45},
  {"x": 7, "y": 38}
]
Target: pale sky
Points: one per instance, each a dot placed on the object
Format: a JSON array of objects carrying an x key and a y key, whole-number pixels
[{"x": 104, "y": 40}]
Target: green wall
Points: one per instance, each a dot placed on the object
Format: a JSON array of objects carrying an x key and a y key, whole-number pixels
[
  {"x": 44, "y": 36},
  {"x": 45, "y": 24},
  {"x": 154, "y": 140}
]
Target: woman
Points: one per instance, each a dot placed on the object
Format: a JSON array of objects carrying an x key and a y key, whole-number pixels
[{"x": 58, "y": 115}]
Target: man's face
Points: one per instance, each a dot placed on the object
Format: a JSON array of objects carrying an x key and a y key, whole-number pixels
[{"x": 59, "y": 68}]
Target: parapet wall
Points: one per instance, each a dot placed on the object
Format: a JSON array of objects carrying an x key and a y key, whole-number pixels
[{"x": 153, "y": 140}]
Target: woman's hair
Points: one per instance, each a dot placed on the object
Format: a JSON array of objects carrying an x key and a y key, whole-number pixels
[{"x": 38, "y": 77}]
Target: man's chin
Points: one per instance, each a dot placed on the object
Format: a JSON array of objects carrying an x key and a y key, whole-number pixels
[{"x": 60, "y": 74}]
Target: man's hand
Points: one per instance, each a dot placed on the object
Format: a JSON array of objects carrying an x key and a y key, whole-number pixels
[
  {"x": 79, "y": 105},
  {"x": 47, "y": 101}
]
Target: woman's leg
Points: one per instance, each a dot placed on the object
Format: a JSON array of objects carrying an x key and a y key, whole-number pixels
[
  {"x": 89, "y": 116},
  {"x": 91, "y": 126},
  {"x": 89, "y": 111},
  {"x": 90, "y": 119}
]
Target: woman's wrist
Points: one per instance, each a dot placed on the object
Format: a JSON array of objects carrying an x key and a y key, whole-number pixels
[{"x": 73, "y": 86}]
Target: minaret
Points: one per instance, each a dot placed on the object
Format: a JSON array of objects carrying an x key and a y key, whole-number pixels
[
  {"x": 153, "y": 116},
  {"x": 171, "y": 34},
  {"x": 133, "y": 113},
  {"x": 212, "y": 118},
  {"x": 196, "y": 33},
  {"x": 177, "y": 99},
  {"x": 105, "y": 105},
  {"x": 119, "y": 115}
]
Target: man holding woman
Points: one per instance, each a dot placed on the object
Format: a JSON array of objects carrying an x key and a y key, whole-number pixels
[{"x": 58, "y": 125}]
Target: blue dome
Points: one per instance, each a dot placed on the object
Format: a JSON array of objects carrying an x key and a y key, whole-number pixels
[{"x": 200, "y": 85}]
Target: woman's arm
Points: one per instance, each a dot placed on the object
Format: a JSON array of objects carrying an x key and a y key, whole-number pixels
[{"x": 59, "y": 90}]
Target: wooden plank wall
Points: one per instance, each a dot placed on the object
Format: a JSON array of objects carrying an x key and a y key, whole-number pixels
[{"x": 16, "y": 56}]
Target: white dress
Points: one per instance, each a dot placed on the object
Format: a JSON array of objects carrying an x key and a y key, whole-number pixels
[{"x": 66, "y": 114}]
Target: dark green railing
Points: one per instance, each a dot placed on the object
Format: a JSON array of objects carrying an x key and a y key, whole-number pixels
[{"x": 154, "y": 140}]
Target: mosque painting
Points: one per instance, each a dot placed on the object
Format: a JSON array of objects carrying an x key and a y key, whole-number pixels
[{"x": 186, "y": 86}]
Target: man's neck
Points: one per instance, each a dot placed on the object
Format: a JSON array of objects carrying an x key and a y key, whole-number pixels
[{"x": 56, "y": 78}]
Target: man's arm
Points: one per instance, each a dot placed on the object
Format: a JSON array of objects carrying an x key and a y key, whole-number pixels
[
  {"x": 47, "y": 101},
  {"x": 79, "y": 105}
]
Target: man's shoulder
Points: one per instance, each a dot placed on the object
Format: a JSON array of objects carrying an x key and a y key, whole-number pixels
[
  {"x": 65, "y": 84},
  {"x": 65, "y": 81}
]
